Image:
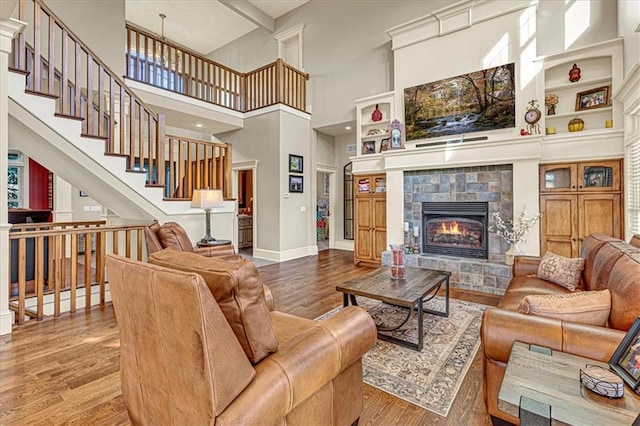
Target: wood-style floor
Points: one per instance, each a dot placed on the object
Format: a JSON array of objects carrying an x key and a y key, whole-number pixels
[{"x": 66, "y": 370}]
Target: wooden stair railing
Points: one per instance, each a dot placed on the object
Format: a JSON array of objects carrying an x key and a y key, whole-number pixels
[
  {"x": 154, "y": 60},
  {"x": 117, "y": 116},
  {"x": 61, "y": 267}
]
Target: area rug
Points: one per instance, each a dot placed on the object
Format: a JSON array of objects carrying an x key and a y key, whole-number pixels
[{"x": 431, "y": 378}]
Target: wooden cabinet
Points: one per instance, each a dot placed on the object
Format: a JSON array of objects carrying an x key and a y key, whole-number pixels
[
  {"x": 579, "y": 199},
  {"x": 245, "y": 231},
  {"x": 370, "y": 219}
]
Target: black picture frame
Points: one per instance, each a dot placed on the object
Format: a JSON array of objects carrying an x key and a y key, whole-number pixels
[
  {"x": 296, "y": 183},
  {"x": 296, "y": 164},
  {"x": 368, "y": 147},
  {"x": 83, "y": 194},
  {"x": 625, "y": 361}
]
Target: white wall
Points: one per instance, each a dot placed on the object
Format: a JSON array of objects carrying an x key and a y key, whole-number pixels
[
  {"x": 628, "y": 21},
  {"x": 325, "y": 148},
  {"x": 100, "y": 24},
  {"x": 564, "y": 25},
  {"x": 346, "y": 50}
]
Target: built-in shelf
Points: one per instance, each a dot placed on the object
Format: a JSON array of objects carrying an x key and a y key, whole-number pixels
[
  {"x": 381, "y": 123},
  {"x": 578, "y": 113},
  {"x": 377, "y": 136},
  {"x": 579, "y": 84},
  {"x": 580, "y": 135},
  {"x": 385, "y": 103}
]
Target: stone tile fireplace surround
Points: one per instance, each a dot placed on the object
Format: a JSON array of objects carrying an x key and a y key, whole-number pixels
[{"x": 491, "y": 183}]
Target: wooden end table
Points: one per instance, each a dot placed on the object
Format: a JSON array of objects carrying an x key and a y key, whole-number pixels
[
  {"x": 214, "y": 243},
  {"x": 544, "y": 386},
  {"x": 418, "y": 286}
]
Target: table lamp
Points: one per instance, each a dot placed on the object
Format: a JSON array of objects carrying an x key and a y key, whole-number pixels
[{"x": 207, "y": 199}]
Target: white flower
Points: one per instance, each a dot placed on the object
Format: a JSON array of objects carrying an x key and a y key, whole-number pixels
[{"x": 514, "y": 232}]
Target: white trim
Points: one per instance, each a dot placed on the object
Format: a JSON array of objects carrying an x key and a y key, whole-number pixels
[
  {"x": 243, "y": 165},
  {"x": 8, "y": 30},
  {"x": 287, "y": 35},
  {"x": 277, "y": 107},
  {"x": 281, "y": 256},
  {"x": 453, "y": 18},
  {"x": 588, "y": 50}
]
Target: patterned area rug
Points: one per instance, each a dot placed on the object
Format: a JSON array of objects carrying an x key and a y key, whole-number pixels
[{"x": 431, "y": 378}]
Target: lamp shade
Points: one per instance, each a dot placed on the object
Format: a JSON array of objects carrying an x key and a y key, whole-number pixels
[{"x": 207, "y": 198}]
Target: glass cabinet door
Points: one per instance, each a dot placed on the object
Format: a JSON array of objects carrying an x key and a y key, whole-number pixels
[
  {"x": 598, "y": 176},
  {"x": 364, "y": 185},
  {"x": 558, "y": 178}
]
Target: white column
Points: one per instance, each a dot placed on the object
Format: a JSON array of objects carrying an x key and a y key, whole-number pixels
[
  {"x": 395, "y": 207},
  {"x": 525, "y": 193},
  {"x": 8, "y": 30}
]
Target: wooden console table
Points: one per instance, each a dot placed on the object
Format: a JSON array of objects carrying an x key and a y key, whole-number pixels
[{"x": 546, "y": 386}]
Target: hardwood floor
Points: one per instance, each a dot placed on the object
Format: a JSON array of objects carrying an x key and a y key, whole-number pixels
[{"x": 66, "y": 370}]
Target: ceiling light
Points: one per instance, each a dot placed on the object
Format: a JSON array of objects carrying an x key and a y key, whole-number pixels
[
  {"x": 198, "y": 125},
  {"x": 347, "y": 128}
]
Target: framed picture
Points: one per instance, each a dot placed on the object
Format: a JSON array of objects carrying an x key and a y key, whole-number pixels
[
  {"x": 626, "y": 359},
  {"x": 593, "y": 98},
  {"x": 295, "y": 164},
  {"x": 368, "y": 147},
  {"x": 384, "y": 144},
  {"x": 296, "y": 183}
]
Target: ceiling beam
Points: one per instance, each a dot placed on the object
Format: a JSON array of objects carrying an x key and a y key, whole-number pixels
[{"x": 252, "y": 13}]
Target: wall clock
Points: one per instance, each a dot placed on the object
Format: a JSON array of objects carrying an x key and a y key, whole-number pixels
[
  {"x": 532, "y": 116},
  {"x": 395, "y": 131}
]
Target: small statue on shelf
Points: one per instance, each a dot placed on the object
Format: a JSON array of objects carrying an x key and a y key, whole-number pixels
[
  {"x": 376, "y": 115},
  {"x": 574, "y": 73}
]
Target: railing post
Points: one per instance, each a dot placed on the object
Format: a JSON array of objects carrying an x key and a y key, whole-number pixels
[
  {"x": 161, "y": 143},
  {"x": 279, "y": 74},
  {"x": 228, "y": 162}
]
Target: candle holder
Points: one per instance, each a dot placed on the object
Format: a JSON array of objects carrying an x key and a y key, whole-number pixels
[
  {"x": 407, "y": 242},
  {"x": 416, "y": 246}
]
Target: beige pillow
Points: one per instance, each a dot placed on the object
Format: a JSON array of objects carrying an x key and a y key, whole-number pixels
[
  {"x": 237, "y": 287},
  {"x": 587, "y": 307},
  {"x": 564, "y": 271}
]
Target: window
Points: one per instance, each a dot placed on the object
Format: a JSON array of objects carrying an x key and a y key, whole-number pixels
[
  {"x": 348, "y": 202},
  {"x": 15, "y": 180},
  {"x": 633, "y": 184}
]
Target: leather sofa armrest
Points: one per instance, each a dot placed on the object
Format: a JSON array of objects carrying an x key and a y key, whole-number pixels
[
  {"x": 215, "y": 251},
  {"x": 500, "y": 328},
  {"x": 525, "y": 265},
  {"x": 271, "y": 304},
  {"x": 302, "y": 366}
]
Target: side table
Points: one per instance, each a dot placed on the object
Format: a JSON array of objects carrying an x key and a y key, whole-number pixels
[
  {"x": 541, "y": 386},
  {"x": 214, "y": 243}
]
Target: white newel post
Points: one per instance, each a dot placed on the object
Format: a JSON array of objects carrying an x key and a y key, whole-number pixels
[{"x": 8, "y": 30}]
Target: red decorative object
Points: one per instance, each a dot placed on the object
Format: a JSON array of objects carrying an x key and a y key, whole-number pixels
[
  {"x": 376, "y": 115},
  {"x": 574, "y": 74}
]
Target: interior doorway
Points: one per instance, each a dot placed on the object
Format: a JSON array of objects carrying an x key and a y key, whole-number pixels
[
  {"x": 323, "y": 210},
  {"x": 245, "y": 211}
]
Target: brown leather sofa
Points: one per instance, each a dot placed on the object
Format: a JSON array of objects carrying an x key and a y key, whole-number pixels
[
  {"x": 172, "y": 235},
  {"x": 182, "y": 363},
  {"x": 609, "y": 263}
]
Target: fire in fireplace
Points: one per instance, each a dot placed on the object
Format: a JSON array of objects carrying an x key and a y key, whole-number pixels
[{"x": 455, "y": 228}]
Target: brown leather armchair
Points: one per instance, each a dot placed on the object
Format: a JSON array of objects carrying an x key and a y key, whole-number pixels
[
  {"x": 181, "y": 362},
  {"x": 172, "y": 235}
]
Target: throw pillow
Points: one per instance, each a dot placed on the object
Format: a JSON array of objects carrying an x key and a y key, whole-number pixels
[
  {"x": 237, "y": 287},
  {"x": 564, "y": 271},
  {"x": 172, "y": 235},
  {"x": 587, "y": 307}
]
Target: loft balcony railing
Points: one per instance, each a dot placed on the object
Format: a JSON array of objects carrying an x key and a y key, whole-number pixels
[
  {"x": 59, "y": 267},
  {"x": 154, "y": 60},
  {"x": 57, "y": 64}
]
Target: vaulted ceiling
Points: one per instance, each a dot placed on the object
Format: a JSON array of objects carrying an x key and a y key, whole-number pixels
[{"x": 206, "y": 25}]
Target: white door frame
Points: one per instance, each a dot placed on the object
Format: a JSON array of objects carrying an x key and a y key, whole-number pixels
[
  {"x": 332, "y": 200},
  {"x": 235, "y": 168}
]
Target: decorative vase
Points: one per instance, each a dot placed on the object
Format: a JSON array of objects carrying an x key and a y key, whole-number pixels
[
  {"x": 510, "y": 254},
  {"x": 551, "y": 110},
  {"x": 574, "y": 73},
  {"x": 376, "y": 115}
]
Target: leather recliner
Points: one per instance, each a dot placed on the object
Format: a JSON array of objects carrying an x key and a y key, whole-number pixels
[
  {"x": 181, "y": 362},
  {"x": 172, "y": 235}
]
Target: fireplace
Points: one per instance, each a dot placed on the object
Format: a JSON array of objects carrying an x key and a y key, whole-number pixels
[{"x": 455, "y": 229}]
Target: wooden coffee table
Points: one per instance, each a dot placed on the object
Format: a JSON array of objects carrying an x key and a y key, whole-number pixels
[
  {"x": 418, "y": 286},
  {"x": 544, "y": 385}
]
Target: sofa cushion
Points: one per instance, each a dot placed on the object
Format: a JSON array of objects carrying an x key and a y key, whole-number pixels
[
  {"x": 635, "y": 240},
  {"x": 561, "y": 270},
  {"x": 587, "y": 307},
  {"x": 172, "y": 235},
  {"x": 624, "y": 284},
  {"x": 603, "y": 263},
  {"x": 590, "y": 247},
  {"x": 237, "y": 287},
  {"x": 519, "y": 287}
]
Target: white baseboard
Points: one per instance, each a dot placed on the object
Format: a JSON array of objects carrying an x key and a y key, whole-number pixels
[
  {"x": 6, "y": 322},
  {"x": 343, "y": 245},
  {"x": 281, "y": 256}
]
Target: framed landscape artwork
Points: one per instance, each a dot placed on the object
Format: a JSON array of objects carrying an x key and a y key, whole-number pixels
[
  {"x": 473, "y": 102},
  {"x": 295, "y": 163}
]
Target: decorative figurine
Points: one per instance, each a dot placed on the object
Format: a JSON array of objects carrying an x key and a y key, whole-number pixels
[
  {"x": 574, "y": 74},
  {"x": 376, "y": 115},
  {"x": 396, "y": 128}
]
